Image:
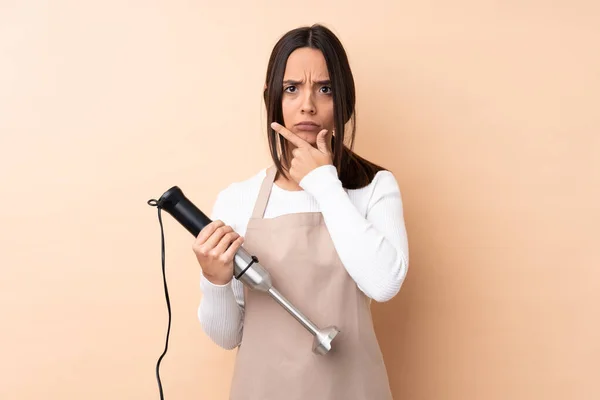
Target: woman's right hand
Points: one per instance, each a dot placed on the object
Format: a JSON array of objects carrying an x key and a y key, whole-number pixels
[{"x": 215, "y": 246}]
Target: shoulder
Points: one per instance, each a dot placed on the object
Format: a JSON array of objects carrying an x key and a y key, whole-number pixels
[
  {"x": 384, "y": 181},
  {"x": 384, "y": 178},
  {"x": 238, "y": 195},
  {"x": 383, "y": 186},
  {"x": 244, "y": 185}
]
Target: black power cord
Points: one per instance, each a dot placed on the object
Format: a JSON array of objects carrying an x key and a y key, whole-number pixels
[{"x": 156, "y": 203}]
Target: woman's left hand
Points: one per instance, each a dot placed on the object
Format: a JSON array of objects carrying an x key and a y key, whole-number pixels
[{"x": 305, "y": 157}]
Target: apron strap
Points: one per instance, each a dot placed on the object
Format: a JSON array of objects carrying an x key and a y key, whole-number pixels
[{"x": 264, "y": 193}]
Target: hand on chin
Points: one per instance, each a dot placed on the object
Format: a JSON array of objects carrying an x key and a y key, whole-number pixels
[{"x": 306, "y": 156}]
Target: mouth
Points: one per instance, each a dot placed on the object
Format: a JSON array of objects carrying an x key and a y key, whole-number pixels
[{"x": 307, "y": 126}]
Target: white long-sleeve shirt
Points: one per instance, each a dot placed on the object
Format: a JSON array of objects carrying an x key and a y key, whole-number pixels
[{"x": 366, "y": 226}]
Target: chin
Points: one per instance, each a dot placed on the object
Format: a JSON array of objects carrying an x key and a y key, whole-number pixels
[{"x": 308, "y": 136}]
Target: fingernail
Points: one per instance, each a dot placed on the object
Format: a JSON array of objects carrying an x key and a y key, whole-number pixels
[{"x": 274, "y": 125}]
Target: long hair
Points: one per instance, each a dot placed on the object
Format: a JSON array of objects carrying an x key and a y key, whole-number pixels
[{"x": 354, "y": 171}]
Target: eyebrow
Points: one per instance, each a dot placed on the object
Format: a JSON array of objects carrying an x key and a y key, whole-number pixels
[{"x": 296, "y": 82}]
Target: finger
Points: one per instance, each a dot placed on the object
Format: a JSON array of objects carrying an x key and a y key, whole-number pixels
[
  {"x": 207, "y": 231},
  {"x": 226, "y": 240},
  {"x": 215, "y": 238},
  {"x": 324, "y": 141},
  {"x": 292, "y": 137},
  {"x": 230, "y": 253}
]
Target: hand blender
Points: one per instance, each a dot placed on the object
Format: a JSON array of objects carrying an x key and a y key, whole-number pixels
[{"x": 247, "y": 268}]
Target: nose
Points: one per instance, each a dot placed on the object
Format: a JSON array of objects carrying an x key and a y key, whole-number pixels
[{"x": 308, "y": 104}]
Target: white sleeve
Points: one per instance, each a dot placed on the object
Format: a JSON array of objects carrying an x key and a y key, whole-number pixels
[
  {"x": 373, "y": 249},
  {"x": 221, "y": 309}
]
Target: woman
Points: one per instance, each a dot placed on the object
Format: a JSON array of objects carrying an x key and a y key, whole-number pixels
[{"x": 326, "y": 223}]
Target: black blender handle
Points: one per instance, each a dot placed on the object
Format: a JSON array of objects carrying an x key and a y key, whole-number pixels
[{"x": 183, "y": 210}]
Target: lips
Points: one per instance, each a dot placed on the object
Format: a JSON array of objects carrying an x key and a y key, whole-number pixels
[{"x": 307, "y": 126}]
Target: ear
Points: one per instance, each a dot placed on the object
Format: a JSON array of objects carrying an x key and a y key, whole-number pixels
[{"x": 265, "y": 89}]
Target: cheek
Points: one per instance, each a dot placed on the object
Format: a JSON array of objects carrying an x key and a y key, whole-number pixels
[
  {"x": 287, "y": 109},
  {"x": 328, "y": 115}
]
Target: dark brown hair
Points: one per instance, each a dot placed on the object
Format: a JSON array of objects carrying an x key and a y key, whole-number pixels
[{"x": 354, "y": 171}]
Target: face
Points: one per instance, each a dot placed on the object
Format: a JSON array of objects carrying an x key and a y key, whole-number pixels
[{"x": 307, "y": 101}]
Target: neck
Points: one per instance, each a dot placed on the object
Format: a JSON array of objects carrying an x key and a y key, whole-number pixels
[{"x": 286, "y": 183}]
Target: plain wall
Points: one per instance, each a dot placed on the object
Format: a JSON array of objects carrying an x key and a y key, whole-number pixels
[{"x": 486, "y": 112}]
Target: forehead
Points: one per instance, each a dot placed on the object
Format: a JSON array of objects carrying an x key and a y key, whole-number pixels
[{"x": 306, "y": 62}]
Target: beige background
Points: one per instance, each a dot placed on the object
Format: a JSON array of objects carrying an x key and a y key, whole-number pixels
[{"x": 488, "y": 115}]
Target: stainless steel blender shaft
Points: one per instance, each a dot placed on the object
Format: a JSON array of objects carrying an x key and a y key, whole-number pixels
[
  {"x": 248, "y": 270},
  {"x": 312, "y": 328}
]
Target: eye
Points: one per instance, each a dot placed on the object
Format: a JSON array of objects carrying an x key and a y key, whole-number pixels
[
  {"x": 290, "y": 89},
  {"x": 327, "y": 89}
]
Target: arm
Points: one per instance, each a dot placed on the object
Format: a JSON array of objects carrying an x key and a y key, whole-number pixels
[
  {"x": 373, "y": 249},
  {"x": 221, "y": 310}
]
